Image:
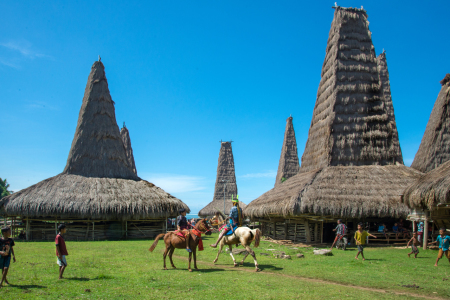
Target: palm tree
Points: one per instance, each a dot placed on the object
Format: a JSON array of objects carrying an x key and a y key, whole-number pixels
[{"x": 4, "y": 185}]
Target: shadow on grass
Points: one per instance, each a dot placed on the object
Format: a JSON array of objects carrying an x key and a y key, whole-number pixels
[
  {"x": 262, "y": 267},
  {"x": 27, "y": 286},
  {"x": 196, "y": 271},
  {"x": 375, "y": 259},
  {"x": 79, "y": 278}
]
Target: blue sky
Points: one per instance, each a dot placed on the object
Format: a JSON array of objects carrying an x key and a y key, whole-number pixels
[{"x": 186, "y": 74}]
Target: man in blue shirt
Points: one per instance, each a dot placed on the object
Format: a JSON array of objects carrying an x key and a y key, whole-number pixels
[
  {"x": 444, "y": 240},
  {"x": 235, "y": 217}
]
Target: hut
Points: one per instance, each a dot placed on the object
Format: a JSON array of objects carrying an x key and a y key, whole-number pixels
[
  {"x": 225, "y": 184},
  {"x": 125, "y": 134},
  {"x": 430, "y": 195},
  {"x": 352, "y": 167},
  {"x": 289, "y": 164},
  {"x": 99, "y": 193}
]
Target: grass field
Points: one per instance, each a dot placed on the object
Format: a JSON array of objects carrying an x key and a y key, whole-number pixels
[{"x": 127, "y": 270}]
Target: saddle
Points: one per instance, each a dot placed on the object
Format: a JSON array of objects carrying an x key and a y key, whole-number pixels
[
  {"x": 182, "y": 234},
  {"x": 195, "y": 235}
]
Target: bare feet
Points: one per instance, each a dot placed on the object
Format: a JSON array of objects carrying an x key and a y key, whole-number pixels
[
  {"x": 364, "y": 259},
  {"x": 213, "y": 245},
  {"x": 356, "y": 257},
  {"x": 435, "y": 265},
  {"x": 190, "y": 270}
]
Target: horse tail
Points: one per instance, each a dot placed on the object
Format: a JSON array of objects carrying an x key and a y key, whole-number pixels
[
  {"x": 156, "y": 242},
  {"x": 257, "y": 236}
]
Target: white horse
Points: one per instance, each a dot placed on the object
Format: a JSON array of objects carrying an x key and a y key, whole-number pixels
[{"x": 244, "y": 236}]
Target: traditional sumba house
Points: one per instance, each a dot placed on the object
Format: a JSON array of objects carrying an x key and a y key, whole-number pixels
[
  {"x": 99, "y": 193},
  {"x": 288, "y": 165},
  {"x": 431, "y": 193},
  {"x": 225, "y": 184},
  {"x": 352, "y": 166},
  {"x": 125, "y": 134}
]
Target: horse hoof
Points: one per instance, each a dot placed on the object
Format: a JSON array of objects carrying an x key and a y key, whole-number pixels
[
  {"x": 174, "y": 267},
  {"x": 190, "y": 270},
  {"x": 235, "y": 265},
  {"x": 215, "y": 261},
  {"x": 257, "y": 270},
  {"x": 165, "y": 269}
]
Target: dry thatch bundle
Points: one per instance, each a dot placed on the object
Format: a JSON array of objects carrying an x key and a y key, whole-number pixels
[
  {"x": 434, "y": 149},
  {"x": 343, "y": 191},
  {"x": 350, "y": 125},
  {"x": 288, "y": 165},
  {"x": 225, "y": 172},
  {"x": 430, "y": 190},
  {"x": 125, "y": 134},
  {"x": 97, "y": 181}
]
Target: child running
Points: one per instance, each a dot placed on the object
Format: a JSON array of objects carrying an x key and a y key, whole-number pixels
[
  {"x": 6, "y": 247},
  {"x": 414, "y": 241},
  {"x": 61, "y": 250},
  {"x": 444, "y": 240},
  {"x": 360, "y": 238}
]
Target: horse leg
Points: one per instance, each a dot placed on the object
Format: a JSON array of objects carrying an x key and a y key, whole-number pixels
[
  {"x": 165, "y": 254},
  {"x": 245, "y": 256},
  {"x": 172, "y": 248},
  {"x": 190, "y": 257},
  {"x": 218, "y": 252},
  {"x": 231, "y": 253},
  {"x": 194, "y": 252},
  {"x": 252, "y": 253}
]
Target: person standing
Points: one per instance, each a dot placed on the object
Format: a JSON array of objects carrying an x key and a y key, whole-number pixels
[
  {"x": 360, "y": 238},
  {"x": 444, "y": 240},
  {"x": 61, "y": 250},
  {"x": 420, "y": 231},
  {"x": 341, "y": 232},
  {"x": 6, "y": 246}
]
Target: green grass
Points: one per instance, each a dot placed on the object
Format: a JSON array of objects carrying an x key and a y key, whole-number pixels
[{"x": 127, "y": 270}]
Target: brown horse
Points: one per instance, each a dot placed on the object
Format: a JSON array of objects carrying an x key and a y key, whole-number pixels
[{"x": 173, "y": 241}]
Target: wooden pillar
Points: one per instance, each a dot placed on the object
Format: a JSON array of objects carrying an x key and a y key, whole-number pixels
[
  {"x": 56, "y": 227},
  {"x": 316, "y": 232},
  {"x": 425, "y": 233},
  {"x": 307, "y": 231},
  {"x": 414, "y": 226},
  {"x": 28, "y": 229},
  {"x": 87, "y": 230},
  {"x": 321, "y": 232},
  {"x": 295, "y": 232},
  {"x": 274, "y": 229},
  {"x": 126, "y": 230},
  {"x": 93, "y": 231},
  {"x": 285, "y": 230}
]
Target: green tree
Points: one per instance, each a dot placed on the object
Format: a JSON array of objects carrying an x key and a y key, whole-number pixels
[{"x": 4, "y": 185}]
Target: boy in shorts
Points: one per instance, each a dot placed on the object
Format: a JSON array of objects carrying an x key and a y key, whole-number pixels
[
  {"x": 61, "y": 250},
  {"x": 6, "y": 247},
  {"x": 444, "y": 240},
  {"x": 360, "y": 238},
  {"x": 414, "y": 241}
]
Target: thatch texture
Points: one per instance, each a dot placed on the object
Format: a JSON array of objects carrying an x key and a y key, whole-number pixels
[
  {"x": 97, "y": 148},
  {"x": 434, "y": 149},
  {"x": 288, "y": 165},
  {"x": 97, "y": 181},
  {"x": 225, "y": 171},
  {"x": 431, "y": 189},
  {"x": 125, "y": 134},
  {"x": 342, "y": 191},
  {"x": 67, "y": 195},
  {"x": 350, "y": 126}
]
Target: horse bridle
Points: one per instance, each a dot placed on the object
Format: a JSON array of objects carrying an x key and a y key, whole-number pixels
[{"x": 204, "y": 230}]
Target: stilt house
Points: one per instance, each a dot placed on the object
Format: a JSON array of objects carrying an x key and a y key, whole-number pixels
[
  {"x": 352, "y": 166},
  {"x": 99, "y": 194}
]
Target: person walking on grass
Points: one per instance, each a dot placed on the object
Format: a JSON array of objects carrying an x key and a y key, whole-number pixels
[
  {"x": 360, "y": 238},
  {"x": 414, "y": 244},
  {"x": 444, "y": 240},
  {"x": 7, "y": 250},
  {"x": 61, "y": 250},
  {"x": 420, "y": 231},
  {"x": 341, "y": 232}
]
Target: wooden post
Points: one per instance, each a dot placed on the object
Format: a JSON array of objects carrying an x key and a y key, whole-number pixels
[
  {"x": 93, "y": 230},
  {"x": 414, "y": 226},
  {"x": 285, "y": 230},
  {"x": 316, "y": 232},
  {"x": 307, "y": 231},
  {"x": 126, "y": 230},
  {"x": 425, "y": 233},
  {"x": 295, "y": 232},
  {"x": 28, "y": 229},
  {"x": 321, "y": 232},
  {"x": 274, "y": 229}
]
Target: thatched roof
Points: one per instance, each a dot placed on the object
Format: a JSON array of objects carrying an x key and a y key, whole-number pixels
[
  {"x": 125, "y": 134},
  {"x": 288, "y": 165},
  {"x": 342, "y": 191},
  {"x": 97, "y": 181},
  {"x": 225, "y": 171},
  {"x": 434, "y": 149},
  {"x": 430, "y": 190},
  {"x": 350, "y": 125}
]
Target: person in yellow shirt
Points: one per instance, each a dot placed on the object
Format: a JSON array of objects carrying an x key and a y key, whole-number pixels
[{"x": 360, "y": 238}]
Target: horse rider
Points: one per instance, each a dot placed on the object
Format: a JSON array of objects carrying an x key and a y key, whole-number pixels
[
  {"x": 235, "y": 217},
  {"x": 341, "y": 233},
  {"x": 183, "y": 227}
]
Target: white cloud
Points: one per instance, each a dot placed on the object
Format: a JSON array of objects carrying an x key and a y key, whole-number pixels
[
  {"x": 268, "y": 174},
  {"x": 173, "y": 183},
  {"x": 16, "y": 51}
]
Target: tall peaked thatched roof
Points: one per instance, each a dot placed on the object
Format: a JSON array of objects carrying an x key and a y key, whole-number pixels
[
  {"x": 97, "y": 148},
  {"x": 288, "y": 165},
  {"x": 350, "y": 126},
  {"x": 434, "y": 149},
  {"x": 432, "y": 189},
  {"x": 98, "y": 182},
  {"x": 125, "y": 134},
  {"x": 225, "y": 172}
]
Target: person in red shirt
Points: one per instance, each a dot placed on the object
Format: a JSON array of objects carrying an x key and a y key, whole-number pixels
[{"x": 61, "y": 250}]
